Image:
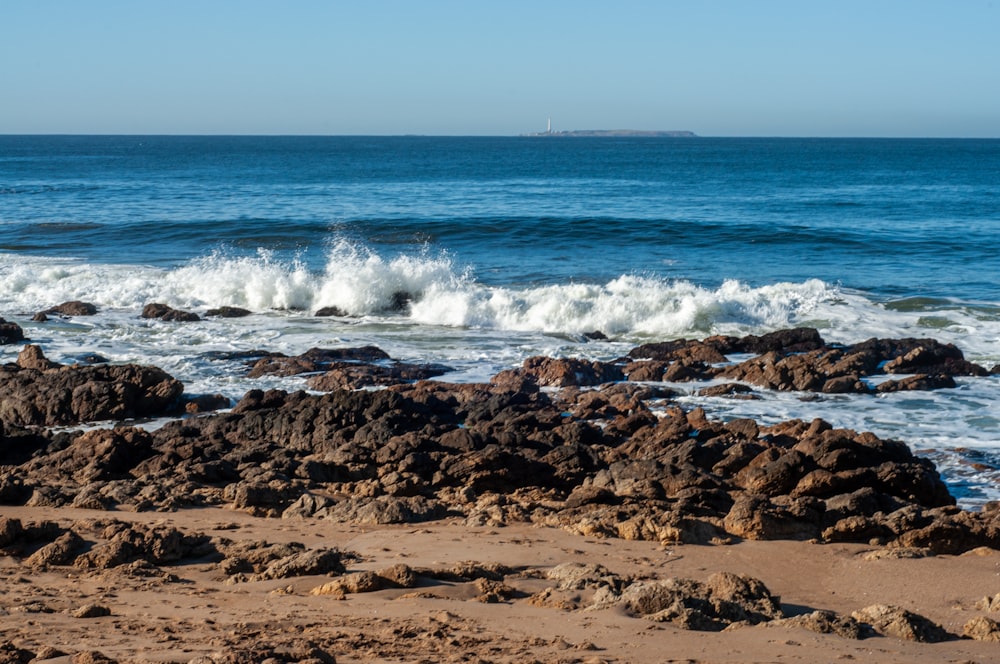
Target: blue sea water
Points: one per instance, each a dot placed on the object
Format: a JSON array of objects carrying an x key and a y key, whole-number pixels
[{"x": 507, "y": 247}]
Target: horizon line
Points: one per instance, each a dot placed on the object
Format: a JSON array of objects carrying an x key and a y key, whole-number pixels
[{"x": 528, "y": 135}]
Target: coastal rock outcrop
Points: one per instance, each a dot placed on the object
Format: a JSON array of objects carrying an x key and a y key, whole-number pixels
[
  {"x": 43, "y": 393},
  {"x": 607, "y": 459},
  {"x": 800, "y": 360},
  {"x": 598, "y": 462}
]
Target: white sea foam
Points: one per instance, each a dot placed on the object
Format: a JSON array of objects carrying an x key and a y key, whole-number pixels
[
  {"x": 480, "y": 329},
  {"x": 427, "y": 289}
]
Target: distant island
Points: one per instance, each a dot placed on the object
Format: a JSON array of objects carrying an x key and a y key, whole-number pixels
[{"x": 615, "y": 133}]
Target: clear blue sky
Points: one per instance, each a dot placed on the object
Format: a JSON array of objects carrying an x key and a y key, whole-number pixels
[{"x": 470, "y": 67}]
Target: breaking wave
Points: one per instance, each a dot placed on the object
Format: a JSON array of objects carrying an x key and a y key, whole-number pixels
[{"x": 428, "y": 289}]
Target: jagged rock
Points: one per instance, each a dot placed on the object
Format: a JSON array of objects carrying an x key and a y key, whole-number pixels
[
  {"x": 934, "y": 358},
  {"x": 206, "y": 403},
  {"x": 985, "y": 604},
  {"x": 982, "y": 628},
  {"x": 492, "y": 592},
  {"x": 324, "y": 312},
  {"x": 723, "y": 599},
  {"x": 827, "y": 622},
  {"x": 756, "y": 517},
  {"x": 385, "y": 510},
  {"x": 307, "y": 505},
  {"x": 63, "y": 551},
  {"x": 894, "y": 621},
  {"x": 167, "y": 313},
  {"x": 31, "y": 357},
  {"x": 263, "y": 499},
  {"x": 91, "y": 657},
  {"x": 353, "y": 376},
  {"x": 73, "y": 308},
  {"x": 71, "y": 394},
  {"x": 305, "y": 563},
  {"x": 228, "y": 312},
  {"x": 398, "y": 576},
  {"x": 313, "y": 360},
  {"x": 157, "y": 545},
  {"x": 917, "y": 382},
  {"x": 562, "y": 372},
  {"x": 612, "y": 460},
  {"x": 738, "y": 390},
  {"x": 580, "y": 576},
  {"x": 350, "y": 584},
  {"x": 91, "y": 611},
  {"x": 10, "y": 333},
  {"x": 819, "y": 368},
  {"x": 681, "y": 350},
  {"x": 11, "y": 530},
  {"x": 12, "y": 654}
]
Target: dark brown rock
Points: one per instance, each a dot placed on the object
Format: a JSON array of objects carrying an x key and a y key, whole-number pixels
[
  {"x": 68, "y": 395},
  {"x": 934, "y": 358},
  {"x": 672, "y": 351},
  {"x": 568, "y": 371},
  {"x": 757, "y": 518},
  {"x": 73, "y": 308},
  {"x": 31, "y": 357},
  {"x": 795, "y": 340},
  {"x": 917, "y": 382},
  {"x": 157, "y": 545},
  {"x": 228, "y": 312},
  {"x": 166, "y": 313},
  {"x": 314, "y": 360},
  {"x": 352, "y": 376},
  {"x": 10, "y": 333},
  {"x": 323, "y": 312},
  {"x": 206, "y": 403},
  {"x": 738, "y": 390},
  {"x": 606, "y": 460},
  {"x": 12, "y": 654}
]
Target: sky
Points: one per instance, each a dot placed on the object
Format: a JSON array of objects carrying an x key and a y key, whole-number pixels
[{"x": 893, "y": 68}]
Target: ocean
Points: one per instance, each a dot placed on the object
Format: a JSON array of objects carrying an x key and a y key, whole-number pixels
[{"x": 479, "y": 252}]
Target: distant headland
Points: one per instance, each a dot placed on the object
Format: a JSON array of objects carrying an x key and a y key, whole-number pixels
[{"x": 614, "y": 133}]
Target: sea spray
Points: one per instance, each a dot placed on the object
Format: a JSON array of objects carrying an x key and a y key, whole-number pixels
[{"x": 359, "y": 281}]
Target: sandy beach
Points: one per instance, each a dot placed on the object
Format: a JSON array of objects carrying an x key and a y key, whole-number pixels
[{"x": 193, "y": 612}]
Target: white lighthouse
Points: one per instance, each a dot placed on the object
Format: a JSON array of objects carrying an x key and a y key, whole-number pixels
[{"x": 548, "y": 129}]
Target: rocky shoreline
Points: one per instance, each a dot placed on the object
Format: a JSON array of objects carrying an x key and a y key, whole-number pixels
[{"x": 598, "y": 450}]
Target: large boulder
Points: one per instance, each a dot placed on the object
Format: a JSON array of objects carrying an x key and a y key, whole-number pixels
[
  {"x": 10, "y": 333},
  {"x": 73, "y": 308}
]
